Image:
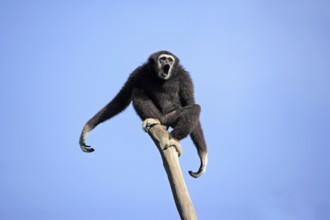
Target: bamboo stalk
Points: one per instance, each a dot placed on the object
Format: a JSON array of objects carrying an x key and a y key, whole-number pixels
[{"x": 184, "y": 205}]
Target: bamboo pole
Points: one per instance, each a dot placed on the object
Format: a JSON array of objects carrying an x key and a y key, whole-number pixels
[{"x": 184, "y": 205}]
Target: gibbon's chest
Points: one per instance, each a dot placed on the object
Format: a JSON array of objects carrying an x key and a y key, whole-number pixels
[{"x": 165, "y": 96}]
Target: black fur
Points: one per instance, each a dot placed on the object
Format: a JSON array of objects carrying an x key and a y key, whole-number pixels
[{"x": 171, "y": 101}]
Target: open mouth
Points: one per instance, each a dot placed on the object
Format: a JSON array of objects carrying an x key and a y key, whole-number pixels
[{"x": 165, "y": 71}]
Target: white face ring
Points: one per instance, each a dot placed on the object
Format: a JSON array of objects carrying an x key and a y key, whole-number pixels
[{"x": 165, "y": 66}]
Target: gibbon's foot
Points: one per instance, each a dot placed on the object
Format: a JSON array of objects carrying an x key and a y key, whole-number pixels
[
  {"x": 86, "y": 148},
  {"x": 148, "y": 123},
  {"x": 174, "y": 143}
]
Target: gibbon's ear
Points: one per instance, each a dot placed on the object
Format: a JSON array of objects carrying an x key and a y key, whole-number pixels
[{"x": 150, "y": 60}]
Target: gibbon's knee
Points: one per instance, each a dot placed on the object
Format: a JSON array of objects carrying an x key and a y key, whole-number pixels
[
  {"x": 196, "y": 109},
  {"x": 192, "y": 113}
]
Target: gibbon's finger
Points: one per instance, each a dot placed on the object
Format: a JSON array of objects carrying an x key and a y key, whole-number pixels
[
  {"x": 148, "y": 123},
  {"x": 86, "y": 148},
  {"x": 176, "y": 144},
  {"x": 195, "y": 174}
]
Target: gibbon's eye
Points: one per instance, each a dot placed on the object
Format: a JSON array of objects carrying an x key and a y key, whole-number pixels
[
  {"x": 170, "y": 59},
  {"x": 162, "y": 58}
]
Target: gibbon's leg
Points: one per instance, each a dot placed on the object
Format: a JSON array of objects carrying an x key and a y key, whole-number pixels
[{"x": 183, "y": 121}]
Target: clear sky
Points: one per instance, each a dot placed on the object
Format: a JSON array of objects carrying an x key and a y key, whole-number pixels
[{"x": 262, "y": 76}]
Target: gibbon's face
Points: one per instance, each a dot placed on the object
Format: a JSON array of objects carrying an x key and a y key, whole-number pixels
[{"x": 165, "y": 66}]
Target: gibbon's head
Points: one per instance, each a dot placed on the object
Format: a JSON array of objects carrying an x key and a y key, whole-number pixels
[{"x": 165, "y": 64}]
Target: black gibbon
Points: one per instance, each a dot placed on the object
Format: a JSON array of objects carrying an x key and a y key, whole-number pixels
[{"x": 162, "y": 93}]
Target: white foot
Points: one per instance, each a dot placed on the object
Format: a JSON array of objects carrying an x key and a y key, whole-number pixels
[
  {"x": 148, "y": 123},
  {"x": 176, "y": 144}
]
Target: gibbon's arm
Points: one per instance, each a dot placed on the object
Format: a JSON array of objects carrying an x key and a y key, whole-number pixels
[
  {"x": 145, "y": 107},
  {"x": 117, "y": 105},
  {"x": 186, "y": 90},
  {"x": 197, "y": 136}
]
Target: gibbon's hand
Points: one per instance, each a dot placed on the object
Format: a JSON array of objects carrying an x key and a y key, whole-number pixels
[{"x": 84, "y": 147}]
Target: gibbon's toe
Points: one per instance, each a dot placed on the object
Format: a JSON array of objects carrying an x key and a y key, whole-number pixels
[
  {"x": 176, "y": 144},
  {"x": 148, "y": 123}
]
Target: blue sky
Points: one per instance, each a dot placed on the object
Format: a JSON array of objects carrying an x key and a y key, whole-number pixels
[{"x": 261, "y": 71}]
